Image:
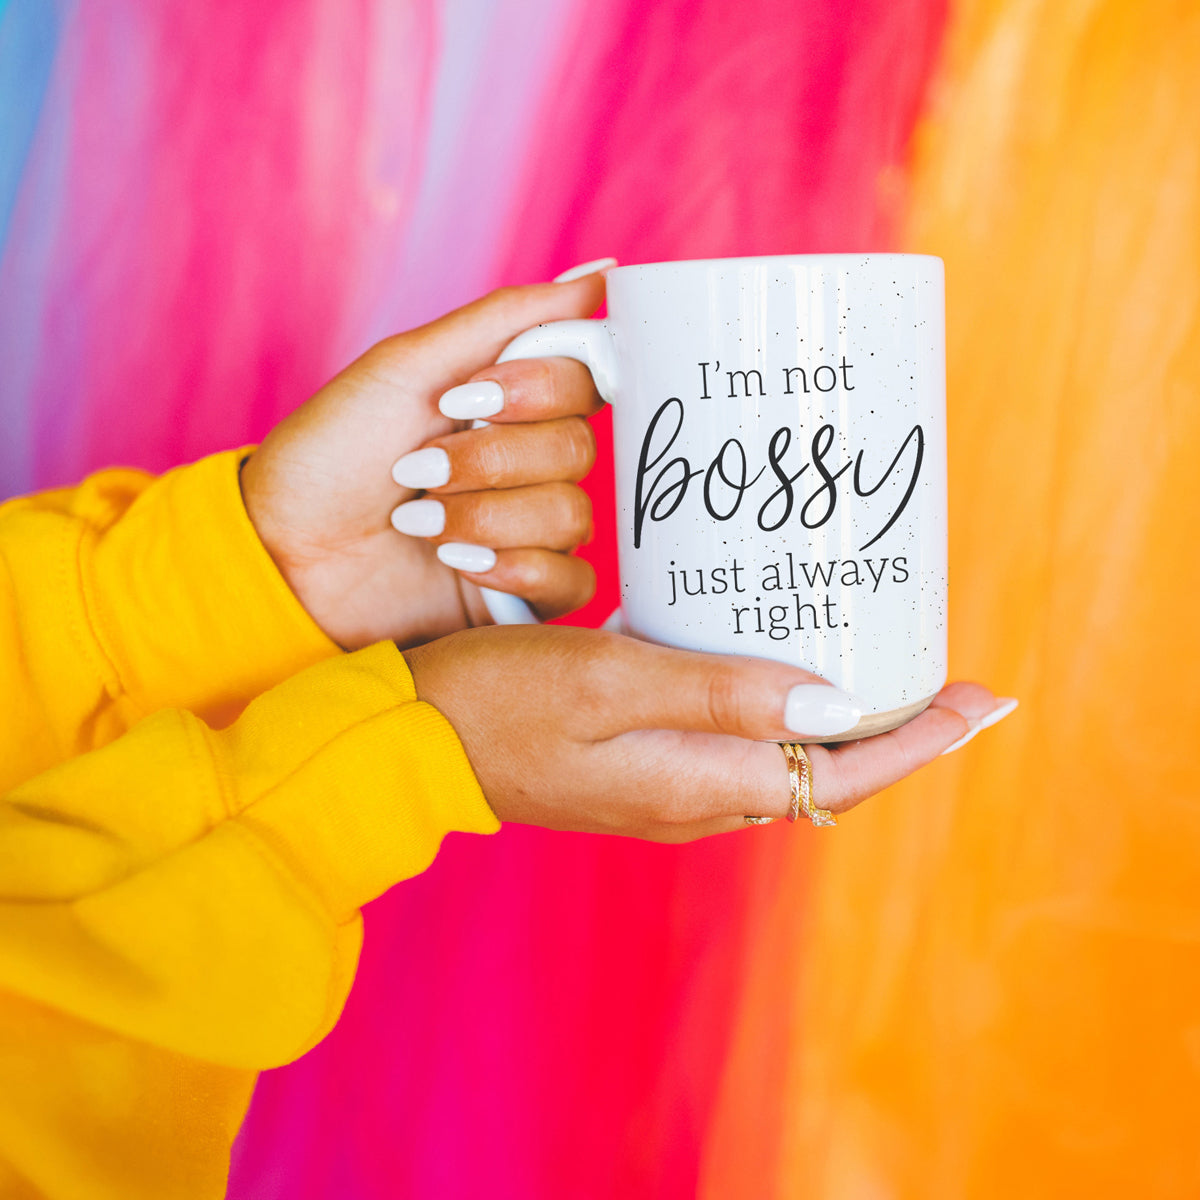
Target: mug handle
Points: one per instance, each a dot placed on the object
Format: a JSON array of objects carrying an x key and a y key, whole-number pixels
[{"x": 591, "y": 343}]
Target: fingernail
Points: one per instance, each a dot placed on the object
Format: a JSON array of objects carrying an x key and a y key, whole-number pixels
[
  {"x": 463, "y": 556},
  {"x": 427, "y": 468},
  {"x": 420, "y": 518},
  {"x": 1002, "y": 709},
  {"x": 472, "y": 401},
  {"x": 587, "y": 268},
  {"x": 817, "y": 709}
]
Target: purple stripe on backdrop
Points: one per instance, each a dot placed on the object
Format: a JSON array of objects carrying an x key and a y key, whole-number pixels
[
  {"x": 545, "y": 1015},
  {"x": 34, "y": 77}
]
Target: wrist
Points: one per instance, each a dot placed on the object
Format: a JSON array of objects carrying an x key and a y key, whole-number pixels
[{"x": 259, "y": 498}]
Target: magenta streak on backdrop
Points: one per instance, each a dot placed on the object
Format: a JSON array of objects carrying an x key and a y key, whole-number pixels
[{"x": 545, "y": 1015}]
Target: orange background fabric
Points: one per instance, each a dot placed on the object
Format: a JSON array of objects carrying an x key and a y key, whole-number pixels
[{"x": 999, "y": 994}]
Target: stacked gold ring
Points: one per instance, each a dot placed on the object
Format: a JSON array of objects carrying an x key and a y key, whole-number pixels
[{"x": 800, "y": 782}]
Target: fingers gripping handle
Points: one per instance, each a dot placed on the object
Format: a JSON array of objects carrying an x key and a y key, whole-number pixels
[{"x": 590, "y": 342}]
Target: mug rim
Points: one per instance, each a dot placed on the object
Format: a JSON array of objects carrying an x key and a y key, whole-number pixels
[{"x": 858, "y": 259}]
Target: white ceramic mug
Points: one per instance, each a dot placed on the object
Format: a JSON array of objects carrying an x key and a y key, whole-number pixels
[{"x": 779, "y": 433}]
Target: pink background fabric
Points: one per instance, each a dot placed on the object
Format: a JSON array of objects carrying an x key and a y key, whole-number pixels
[{"x": 211, "y": 210}]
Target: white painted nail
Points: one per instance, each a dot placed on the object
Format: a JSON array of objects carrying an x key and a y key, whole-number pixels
[
  {"x": 962, "y": 741},
  {"x": 814, "y": 708},
  {"x": 1002, "y": 709},
  {"x": 463, "y": 556},
  {"x": 420, "y": 518},
  {"x": 427, "y": 468},
  {"x": 472, "y": 401},
  {"x": 587, "y": 268}
]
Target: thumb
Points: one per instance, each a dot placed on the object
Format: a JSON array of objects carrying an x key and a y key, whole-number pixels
[
  {"x": 437, "y": 356},
  {"x": 662, "y": 688}
]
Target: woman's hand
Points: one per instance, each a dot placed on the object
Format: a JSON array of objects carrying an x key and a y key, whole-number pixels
[
  {"x": 591, "y": 731},
  {"x": 321, "y": 493}
]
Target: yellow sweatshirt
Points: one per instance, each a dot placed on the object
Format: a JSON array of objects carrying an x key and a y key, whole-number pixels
[{"x": 179, "y": 901}]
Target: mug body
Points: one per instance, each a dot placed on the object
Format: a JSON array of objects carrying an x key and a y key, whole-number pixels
[{"x": 779, "y": 432}]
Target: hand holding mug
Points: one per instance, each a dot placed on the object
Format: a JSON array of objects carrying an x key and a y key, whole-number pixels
[
  {"x": 321, "y": 493},
  {"x": 580, "y": 729}
]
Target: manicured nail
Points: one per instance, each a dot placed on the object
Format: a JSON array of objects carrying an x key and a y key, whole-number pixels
[
  {"x": 817, "y": 709},
  {"x": 587, "y": 268},
  {"x": 463, "y": 556},
  {"x": 1002, "y": 709},
  {"x": 428, "y": 468},
  {"x": 472, "y": 401},
  {"x": 420, "y": 518}
]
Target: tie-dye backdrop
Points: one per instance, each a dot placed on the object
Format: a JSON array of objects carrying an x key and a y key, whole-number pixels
[{"x": 984, "y": 984}]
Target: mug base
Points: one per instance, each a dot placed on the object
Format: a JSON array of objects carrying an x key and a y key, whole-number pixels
[{"x": 879, "y": 722}]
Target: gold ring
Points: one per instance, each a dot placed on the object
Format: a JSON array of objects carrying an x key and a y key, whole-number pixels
[
  {"x": 758, "y": 820},
  {"x": 800, "y": 779}
]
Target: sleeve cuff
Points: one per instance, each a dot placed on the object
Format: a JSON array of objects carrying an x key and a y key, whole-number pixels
[
  {"x": 380, "y": 778},
  {"x": 185, "y": 599}
]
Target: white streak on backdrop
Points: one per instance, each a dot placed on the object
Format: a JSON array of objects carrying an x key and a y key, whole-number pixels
[{"x": 492, "y": 73}]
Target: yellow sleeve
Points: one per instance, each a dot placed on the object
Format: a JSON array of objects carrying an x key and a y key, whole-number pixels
[
  {"x": 130, "y": 594},
  {"x": 179, "y": 901},
  {"x": 198, "y": 890}
]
